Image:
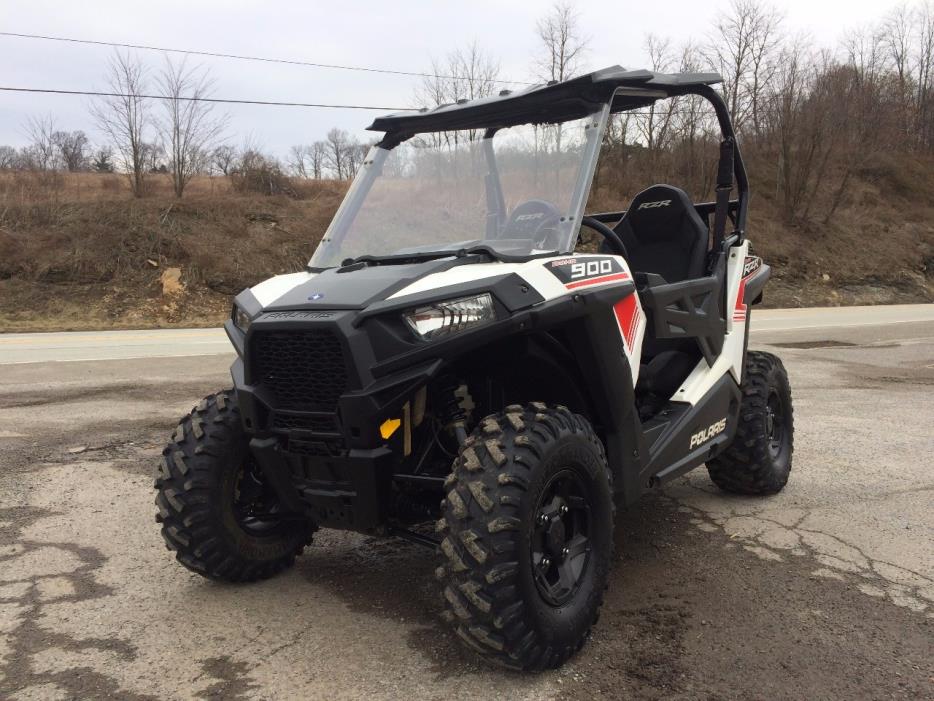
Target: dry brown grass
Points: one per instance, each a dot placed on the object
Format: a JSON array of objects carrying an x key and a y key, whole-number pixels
[{"x": 82, "y": 240}]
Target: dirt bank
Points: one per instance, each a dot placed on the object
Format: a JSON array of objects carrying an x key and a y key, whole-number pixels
[{"x": 77, "y": 252}]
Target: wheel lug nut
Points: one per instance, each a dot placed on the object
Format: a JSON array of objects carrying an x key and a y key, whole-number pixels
[
  {"x": 542, "y": 519},
  {"x": 563, "y": 509},
  {"x": 565, "y": 552},
  {"x": 545, "y": 563}
]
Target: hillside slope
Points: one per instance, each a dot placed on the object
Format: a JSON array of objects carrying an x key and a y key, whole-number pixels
[{"x": 79, "y": 253}]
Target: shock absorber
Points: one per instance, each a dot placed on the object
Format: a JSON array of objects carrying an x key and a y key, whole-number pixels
[{"x": 451, "y": 407}]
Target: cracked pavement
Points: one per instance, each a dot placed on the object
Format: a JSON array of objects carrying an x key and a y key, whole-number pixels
[{"x": 824, "y": 591}]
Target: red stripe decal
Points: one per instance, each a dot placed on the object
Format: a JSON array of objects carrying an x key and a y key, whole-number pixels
[
  {"x": 597, "y": 280},
  {"x": 633, "y": 326},
  {"x": 627, "y": 314}
]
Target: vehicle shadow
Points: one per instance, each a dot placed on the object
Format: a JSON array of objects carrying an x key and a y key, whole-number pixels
[{"x": 394, "y": 579}]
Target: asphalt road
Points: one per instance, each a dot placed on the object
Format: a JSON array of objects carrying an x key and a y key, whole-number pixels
[
  {"x": 824, "y": 591},
  {"x": 18, "y": 348}
]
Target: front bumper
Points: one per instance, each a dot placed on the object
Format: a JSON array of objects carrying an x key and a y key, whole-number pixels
[
  {"x": 328, "y": 463},
  {"x": 347, "y": 492}
]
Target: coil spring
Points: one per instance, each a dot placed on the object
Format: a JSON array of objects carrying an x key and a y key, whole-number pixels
[{"x": 450, "y": 410}]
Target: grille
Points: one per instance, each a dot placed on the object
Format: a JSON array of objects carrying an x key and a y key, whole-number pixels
[
  {"x": 322, "y": 449},
  {"x": 304, "y": 369},
  {"x": 304, "y": 422}
]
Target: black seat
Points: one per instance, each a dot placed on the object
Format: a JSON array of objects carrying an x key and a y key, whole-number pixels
[{"x": 664, "y": 234}]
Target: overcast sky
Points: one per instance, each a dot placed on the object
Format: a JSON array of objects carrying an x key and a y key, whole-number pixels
[{"x": 403, "y": 34}]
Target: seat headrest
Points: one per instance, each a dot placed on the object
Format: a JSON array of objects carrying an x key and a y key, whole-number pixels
[{"x": 657, "y": 212}]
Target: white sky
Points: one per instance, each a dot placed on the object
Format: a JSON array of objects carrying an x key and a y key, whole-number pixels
[{"x": 402, "y": 34}]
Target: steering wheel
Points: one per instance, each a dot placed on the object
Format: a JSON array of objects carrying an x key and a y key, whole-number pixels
[
  {"x": 536, "y": 220},
  {"x": 612, "y": 239}
]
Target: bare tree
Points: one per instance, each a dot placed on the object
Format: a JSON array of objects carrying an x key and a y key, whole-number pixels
[
  {"x": 189, "y": 126},
  {"x": 8, "y": 158},
  {"x": 865, "y": 52},
  {"x": 296, "y": 160},
  {"x": 154, "y": 158},
  {"x": 562, "y": 51},
  {"x": 654, "y": 125},
  {"x": 72, "y": 149},
  {"x": 310, "y": 160},
  {"x": 924, "y": 62},
  {"x": 354, "y": 155},
  {"x": 125, "y": 118},
  {"x": 338, "y": 141},
  {"x": 465, "y": 74},
  {"x": 42, "y": 152},
  {"x": 223, "y": 158},
  {"x": 896, "y": 36},
  {"x": 316, "y": 155},
  {"x": 563, "y": 46},
  {"x": 743, "y": 48}
]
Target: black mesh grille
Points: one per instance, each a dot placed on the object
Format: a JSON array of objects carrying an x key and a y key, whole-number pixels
[
  {"x": 305, "y": 369},
  {"x": 315, "y": 448},
  {"x": 304, "y": 422}
]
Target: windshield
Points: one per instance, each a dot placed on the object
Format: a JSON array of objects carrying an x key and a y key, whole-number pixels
[{"x": 518, "y": 191}]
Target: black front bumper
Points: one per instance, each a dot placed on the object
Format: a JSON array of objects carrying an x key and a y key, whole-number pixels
[
  {"x": 347, "y": 492},
  {"x": 325, "y": 457}
]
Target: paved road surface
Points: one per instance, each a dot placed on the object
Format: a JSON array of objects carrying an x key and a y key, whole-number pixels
[
  {"x": 824, "y": 591},
  {"x": 169, "y": 343}
]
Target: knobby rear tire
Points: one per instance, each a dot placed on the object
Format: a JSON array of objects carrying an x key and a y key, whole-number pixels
[{"x": 754, "y": 464}]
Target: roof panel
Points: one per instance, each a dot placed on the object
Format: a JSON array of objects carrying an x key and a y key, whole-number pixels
[{"x": 554, "y": 102}]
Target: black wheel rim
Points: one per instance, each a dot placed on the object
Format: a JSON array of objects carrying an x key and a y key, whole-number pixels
[
  {"x": 775, "y": 429},
  {"x": 560, "y": 543},
  {"x": 254, "y": 503}
]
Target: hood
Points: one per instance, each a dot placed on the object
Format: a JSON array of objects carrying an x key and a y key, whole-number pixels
[{"x": 358, "y": 287}]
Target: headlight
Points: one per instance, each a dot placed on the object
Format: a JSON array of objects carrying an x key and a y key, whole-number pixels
[
  {"x": 450, "y": 316},
  {"x": 241, "y": 319}
]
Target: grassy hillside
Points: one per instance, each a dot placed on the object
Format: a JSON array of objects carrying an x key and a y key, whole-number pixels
[{"x": 76, "y": 251}]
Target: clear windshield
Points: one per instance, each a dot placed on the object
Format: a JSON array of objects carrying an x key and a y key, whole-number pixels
[{"x": 518, "y": 192}]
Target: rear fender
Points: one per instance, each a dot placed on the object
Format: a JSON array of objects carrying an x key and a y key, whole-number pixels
[{"x": 756, "y": 275}]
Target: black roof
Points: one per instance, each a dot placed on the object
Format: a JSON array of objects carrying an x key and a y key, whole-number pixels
[{"x": 552, "y": 102}]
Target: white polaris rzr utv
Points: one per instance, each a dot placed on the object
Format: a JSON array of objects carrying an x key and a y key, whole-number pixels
[{"x": 448, "y": 344}]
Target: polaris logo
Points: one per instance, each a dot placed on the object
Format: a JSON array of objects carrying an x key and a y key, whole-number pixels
[
  {"x": 292, "y": 315},
  {"x": 654, "y": 205},
  {"x": 702, "y": 437},
  {"x": 751, "y": 265},
  {"x": 530, "y": 217}
]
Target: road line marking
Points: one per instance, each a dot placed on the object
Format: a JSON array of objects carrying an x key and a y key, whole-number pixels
[
  {"x": 118, "y": 357},
  {"x": 830, "y": 327},
  {"x": 30, "y": 338}
]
